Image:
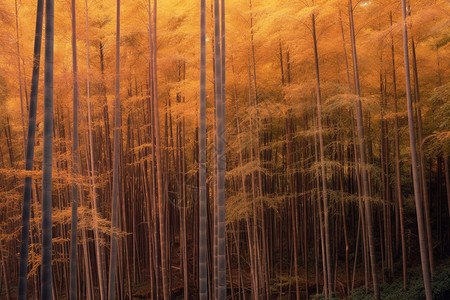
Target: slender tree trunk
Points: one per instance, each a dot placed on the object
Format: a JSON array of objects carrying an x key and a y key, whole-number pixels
[
  {"x": 203, "y": 209},
  {"x": 362, "y": 149},
  {"x": 46, "y": 266},
  {"x": 30, "y": 154},
  {"x": 447, "y": 182},
  {"x": 416, "y": 179},
  {"x": 397, "y": 163},
  {"x": 220, "y": 146},
  {"x": 159, "y": 175},
  {"x": 184, "y": 199},
  {"x": 92, "y": 166},
  {"x": 344, "y": 225},
  {"x": 322, "y": 162},
  {"x": 250, "y": 239},
  {"x": 5, "y": 276},
  {"x": 421, "y": 157},
  {"x": 115, "y": 189},
  {"x": 345, "y": 54},
  {"x": 20, "y": 74},
  {"x": 358, "y": 181},
  {"x": 321, "y": 221},
  {"x": 75, "y": 164},
  {"x": 260, "y": 192}
]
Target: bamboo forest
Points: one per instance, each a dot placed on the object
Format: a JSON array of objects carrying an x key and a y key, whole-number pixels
[{"x": 212, "y": 149}]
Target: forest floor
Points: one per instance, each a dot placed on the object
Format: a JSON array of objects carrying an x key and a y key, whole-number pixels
[
  {"x": 389, "y": 291},
  {"x": 415, "y": 291}
]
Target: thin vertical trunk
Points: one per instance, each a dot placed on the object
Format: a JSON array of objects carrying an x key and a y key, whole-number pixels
[
  {"x": 203, "y": 209},
  {"x": 362, "y": 150},
  {"x": 361, "y": 215},
  {"x": 321, "y": 222},
  {"x": 219, "y": 40},
  {"x": 159, "y": 175},
  {"x": 184, "y": 199},
  {"x": 281, "y": 65},
  {"x": 341, "y": 183},
  {"x": 322, "y": 162},
  {"x": 20, "y": 75},
  {"x": 416, "y": 179},
  {"x": 256, "y": 246},
  {"x": 291, "y": 200},
  {"x": 46, "y": 266},
  {"x": 264, "y": 267},
  {"x": 423, "y": 181},
  {"x": 92, "y": 166},
  {"x": 153, "y": 217},
  {"x": 345, "y": 53},
  {"x": 115, "y": 188},
  {"x": 447, "y": 182},
  {"x": 5, "y": 277},
  {"x": 397, "y": 163},
  {"x": 254, "y": 283},
  {"x": 75, "y": 164},
  {"x": 26, "y": 210}
]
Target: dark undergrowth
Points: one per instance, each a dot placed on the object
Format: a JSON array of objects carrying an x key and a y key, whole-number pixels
[{"x": 440, "y": 284}]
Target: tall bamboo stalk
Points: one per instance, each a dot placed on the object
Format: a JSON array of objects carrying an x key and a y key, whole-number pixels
[
  {"x": 92, "y": 165},
  {"x": 414, "y": 166},
  {"x": 115, "y": 189},
  {"x": 75, "y": 163},
  {"x": 397, "y": 162},
  {"x": 362, "y": 150},
  {"x": 202, "y": 263},
  {"x": 46, "y": 268},
  {"x": 26, "y": 210}
]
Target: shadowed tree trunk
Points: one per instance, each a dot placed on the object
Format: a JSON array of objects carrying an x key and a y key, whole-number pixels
[
  {"x": 203, "y": 264},
  {"x": 46, "y": 267},
  {"x": 221, "y": 167},
  {"x": 75, "y": 164},
  {"x": 447, "y": 182},
  {"x": 30, "y": 154},
  {"x": 220, "y": 146}
]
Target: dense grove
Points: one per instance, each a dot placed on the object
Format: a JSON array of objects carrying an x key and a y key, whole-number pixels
[{"x": 224, "y": 149}]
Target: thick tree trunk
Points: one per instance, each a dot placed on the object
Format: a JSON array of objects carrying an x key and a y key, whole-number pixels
[
  {"x": 46, "y": 268},
  {"x": 26, "y": 210}
]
